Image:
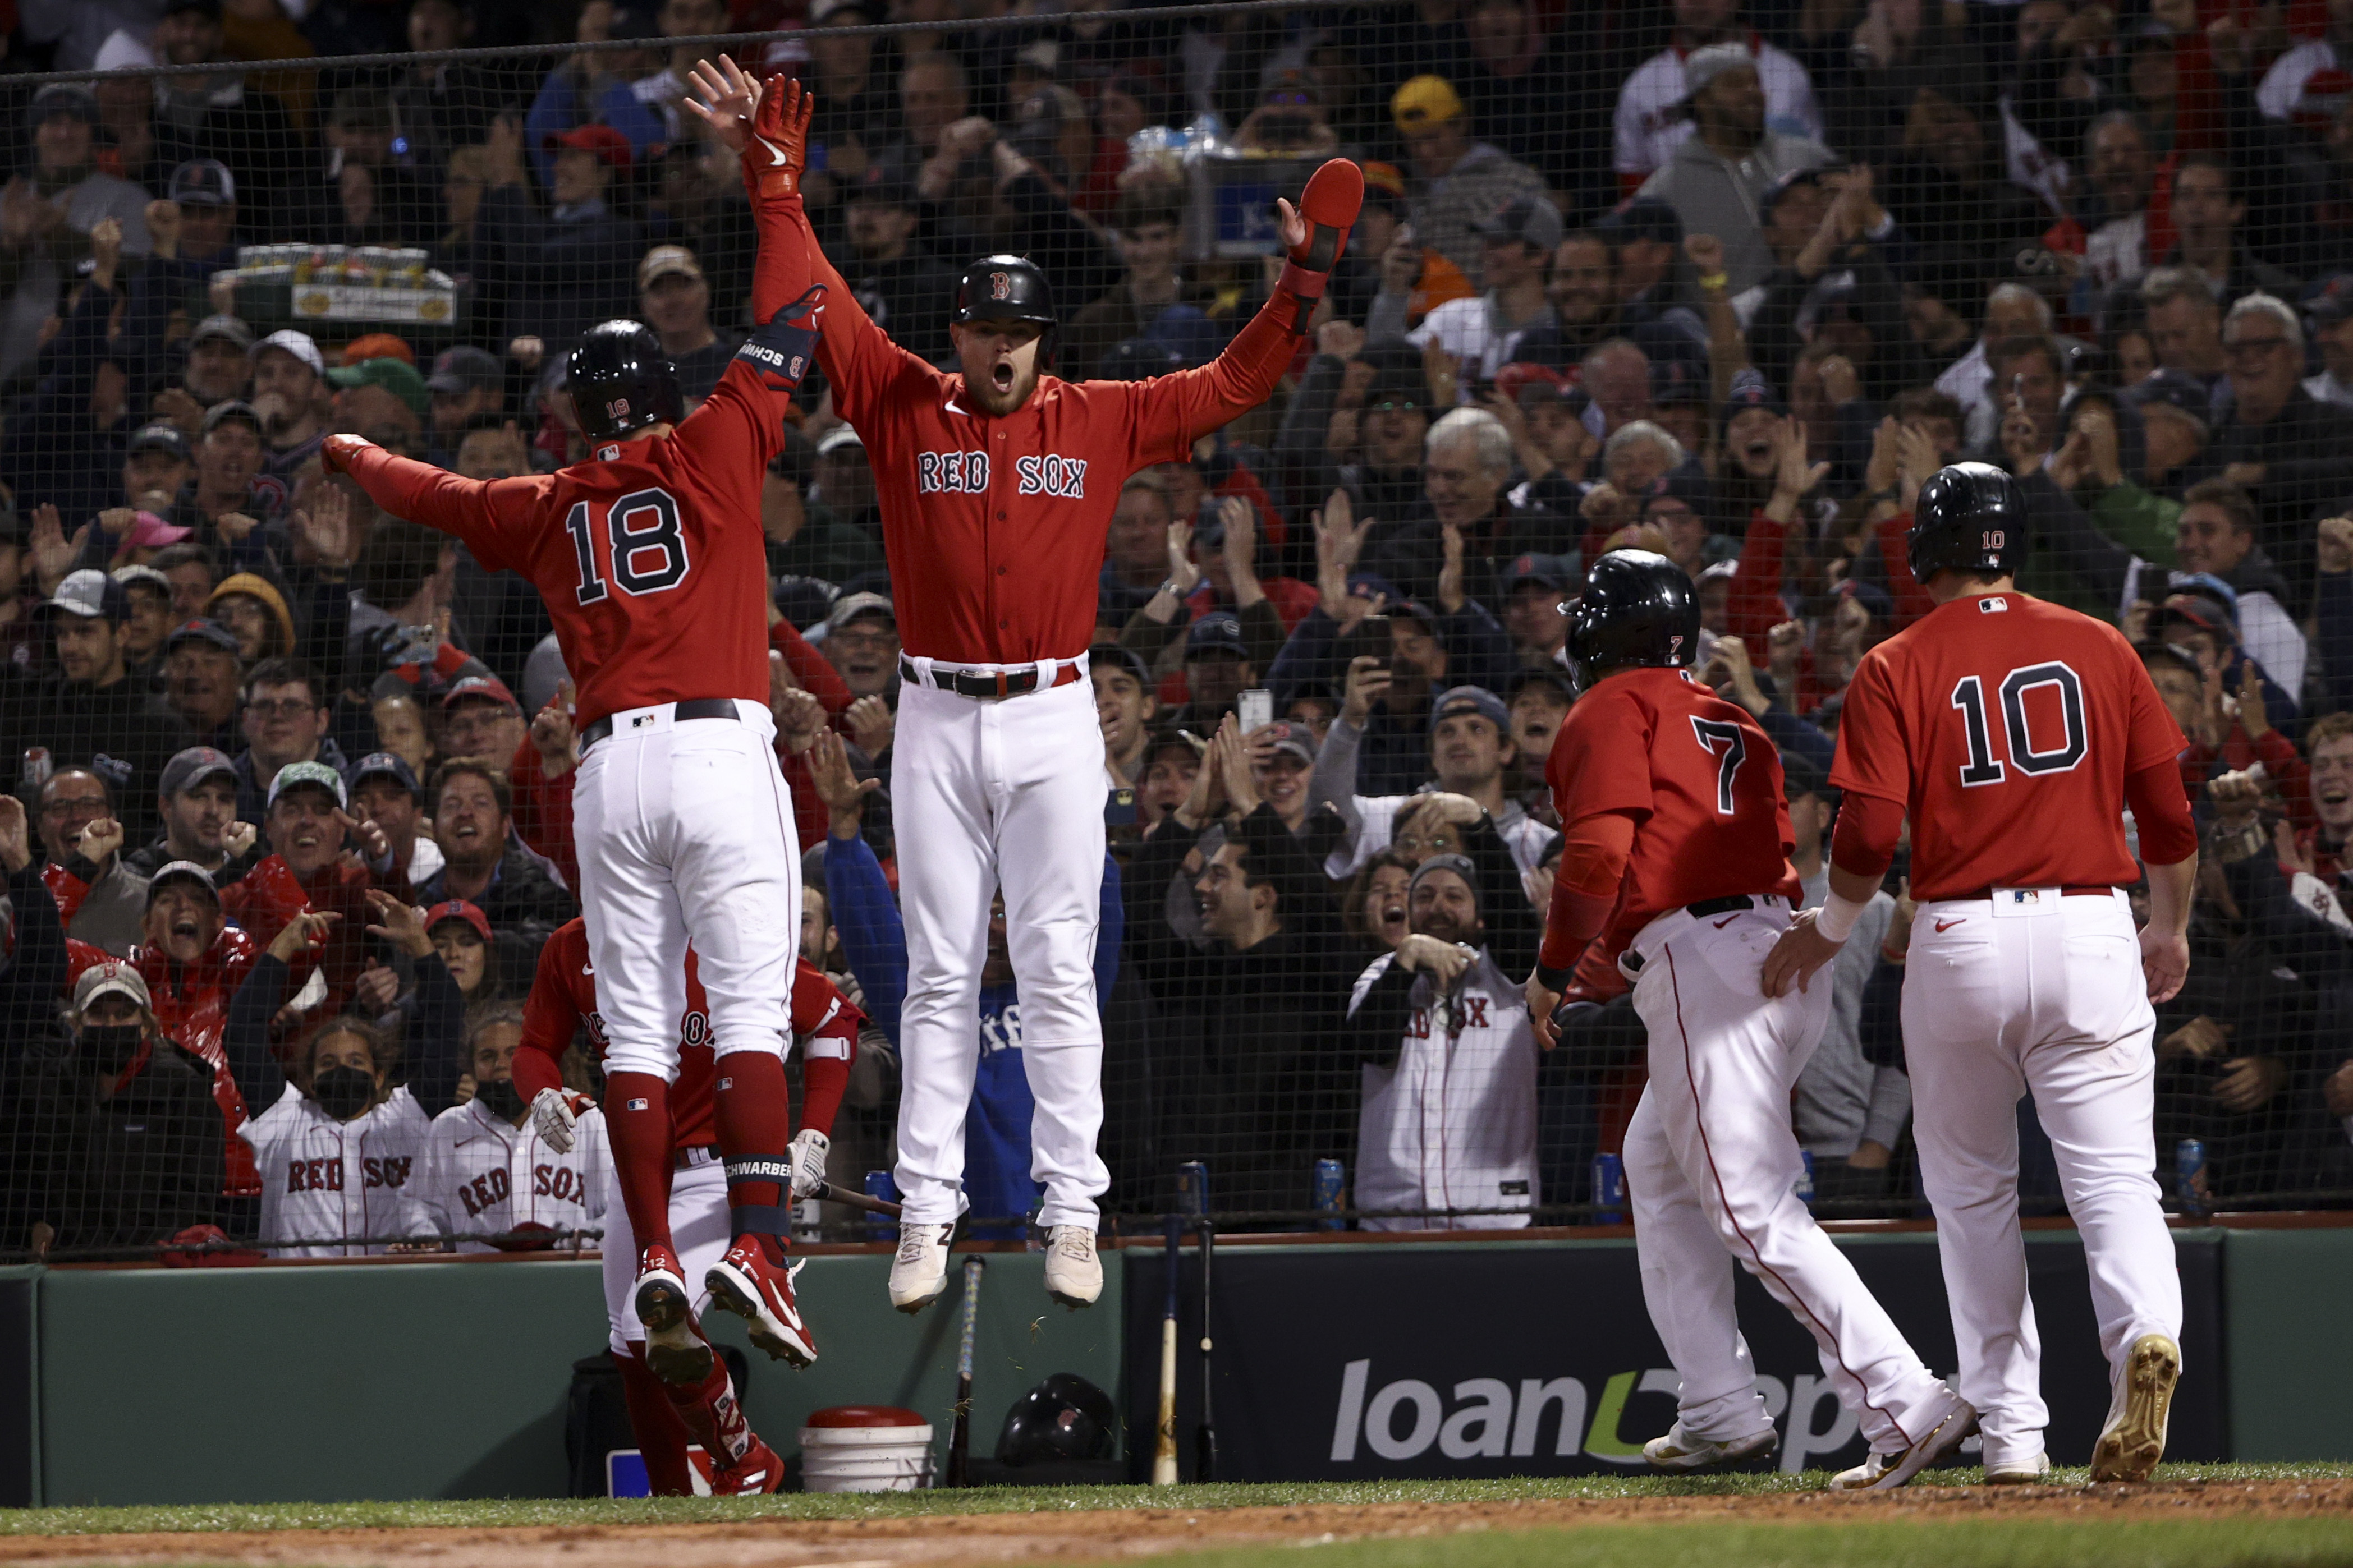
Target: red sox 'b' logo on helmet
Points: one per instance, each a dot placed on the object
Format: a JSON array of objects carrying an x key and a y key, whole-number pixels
[{"x": 1000, "y": 287}]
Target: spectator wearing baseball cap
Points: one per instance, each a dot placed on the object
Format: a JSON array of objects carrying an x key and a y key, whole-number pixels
[
  {"x": 1126, "y": 706},
  {"x": 385, "y": 790},
  {"x": 674, "y": 300},
  {"x": 61, "y": 123},
  {"x": 290, "y": 394},
  {"x": 202, "y": 676},
  {"x": 229, "y": 489},
  {"x": 1469, "y": 749},
  {"x": 89, "y": 710},
  {"x": 1516, "y": 241},
  {"x": 481, "y": 718},
  {"x": 1464, "y": 182},
  {"x": 2328, "y": 318},
  {"x": 196, "y": 802},
  {"x": 384, "y": 400},
  {"x": 157, "y": 463},
  {"x": 216, "y": 371},
  {"x": 861, "y": 642},
  {"x": 1217, "y": 669},
  {"x": 467, "y": 948},
  {"x": 581, "y": 252},
  {"x": 1535, "y": 586},
  {"x": 120, "y": 1119},
  {"x": 316, "y": 862},
  {"x": 888, "y": 261},
  {"x": 806, "y": 539},
  {"x": 468, "y": 384},
  {"x": 1282, "y": 756}
]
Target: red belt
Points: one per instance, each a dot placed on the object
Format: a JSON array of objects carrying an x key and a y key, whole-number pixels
[{"x": 2072, "y": 891}]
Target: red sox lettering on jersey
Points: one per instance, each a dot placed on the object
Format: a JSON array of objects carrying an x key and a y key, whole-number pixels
[
  {"x": 480, "y": 1175},
  {"x": 324, "y": 1180}
]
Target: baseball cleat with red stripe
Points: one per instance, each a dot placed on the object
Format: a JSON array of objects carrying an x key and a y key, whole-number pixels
[
  {"x": 757, "y": 1471},
  {"x": 747, "y": 1283},
  {"x": 674, "y": 1345}
]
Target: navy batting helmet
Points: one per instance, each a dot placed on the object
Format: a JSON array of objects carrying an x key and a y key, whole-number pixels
[
  {"x": 1970, "y": 516},
  {"x": 1064, "y": 1417},
  {"x": 1639, "y": 610},
  {"x": 1009, "y": 288},
  {"x": 621, "y": 380}
]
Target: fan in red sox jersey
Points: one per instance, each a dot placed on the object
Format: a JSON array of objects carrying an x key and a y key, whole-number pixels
[
  {"x": 996, "y": 488},
  {"x": 2015, "y": 733},
  {"x": 652, "y": 562},
  {"x": 695, "y": 1399},
  {"x": 1677, "y": 861}
]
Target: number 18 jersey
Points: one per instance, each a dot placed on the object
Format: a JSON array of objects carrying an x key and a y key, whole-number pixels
[
  {"x": 2006, "y": 726},
  {"x": 1701, "y": 780},
  {"x": 651, "y": 555}
]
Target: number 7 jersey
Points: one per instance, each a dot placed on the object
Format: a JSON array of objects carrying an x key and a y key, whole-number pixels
[
  {"x": 649, "y": 555},
  {"x": 1701, "y": 780},
  {"x": 2006, "y": 727}
]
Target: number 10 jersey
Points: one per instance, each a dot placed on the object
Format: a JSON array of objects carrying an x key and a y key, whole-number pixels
[{"x": 2006, "y": 727}]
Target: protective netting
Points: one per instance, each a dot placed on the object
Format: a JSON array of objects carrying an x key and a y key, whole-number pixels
[{"x": 1726, "y": 284}]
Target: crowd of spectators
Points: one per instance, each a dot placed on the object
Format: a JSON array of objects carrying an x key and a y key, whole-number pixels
[{"x": 291, "y": 813}]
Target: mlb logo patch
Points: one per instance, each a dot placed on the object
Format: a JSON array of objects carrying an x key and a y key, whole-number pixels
[
  {"x": 1992, "y": 606},
  {"x": 637, "y": 1104}
]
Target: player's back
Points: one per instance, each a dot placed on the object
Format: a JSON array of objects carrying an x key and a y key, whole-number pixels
[
  {"x": 2006, "y": 725},
  {"x": 1700, "y": 777}
]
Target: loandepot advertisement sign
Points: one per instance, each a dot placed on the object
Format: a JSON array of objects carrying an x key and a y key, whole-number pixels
[{"x": 1351, "y": 1362}]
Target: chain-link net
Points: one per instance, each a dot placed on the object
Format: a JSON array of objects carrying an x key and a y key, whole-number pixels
[{"x": 1727, "y": 284}]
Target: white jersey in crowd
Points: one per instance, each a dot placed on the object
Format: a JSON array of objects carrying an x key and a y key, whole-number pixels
[
  {"x": 1652, "y": 124},
  {"x": 2282, "y": 94},
  {"x": 483, "y": 1176},
  {"x": 1453, "y": 1124},
  {"x": 1471, "y": 332},
  {"x": 324, "y": 1180},
  {"x": 1375, "y": 829}
]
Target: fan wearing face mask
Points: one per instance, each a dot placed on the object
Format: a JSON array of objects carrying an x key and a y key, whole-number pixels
[{"x": 488, "y": 1177}]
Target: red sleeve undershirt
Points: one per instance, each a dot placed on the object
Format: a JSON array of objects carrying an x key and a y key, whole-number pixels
[
  {"x": 1867, "y": 829},
  {"x": 2161, "y": 811},
  {"x": 1585, "y": 889}
]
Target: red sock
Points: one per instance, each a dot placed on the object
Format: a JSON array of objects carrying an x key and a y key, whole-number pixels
[
  {"x": 637, "y": 1124},
  {"x": 755, "y": 1128},
  {"x": 662, "y": 1436},
  {"x": 711, "y": 1416}
]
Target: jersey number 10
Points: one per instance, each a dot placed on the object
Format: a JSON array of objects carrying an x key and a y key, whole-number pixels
[
  {"x": 647, "y": 547},
  {"x": 1983, "y": 767}
]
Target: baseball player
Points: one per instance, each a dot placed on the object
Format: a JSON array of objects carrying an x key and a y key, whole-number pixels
[
  {"x": 1677, "y": 859},
  {"x": 651, "y": 560},
  {"x": 2014, "y": 733},
  {"x": 676, "y": 1388},
  {"x": 997, "y": 486},
  {"x": 487, "y": 1169}
]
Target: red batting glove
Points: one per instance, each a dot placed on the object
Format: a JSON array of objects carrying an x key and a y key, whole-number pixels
[
  {"x": 336, "y": 453},
  {"x": 1328, "y": 207},
  {"x": 777, "y": 149}
]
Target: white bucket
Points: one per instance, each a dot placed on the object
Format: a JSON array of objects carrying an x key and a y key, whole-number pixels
[{"x": 866, "y": 1458}]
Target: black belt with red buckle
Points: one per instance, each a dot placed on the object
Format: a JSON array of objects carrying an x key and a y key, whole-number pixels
[
  {"x": 990, "y": 686},
  {"x": 692, "y": 708},
  {"x": 2072, "y": 891}
]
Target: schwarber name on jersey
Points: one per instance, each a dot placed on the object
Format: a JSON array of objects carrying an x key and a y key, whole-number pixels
[
  {"x": 1699, "y": 776},
  {"x": 655, "y": 547},
  {"x": 2006, "y": 727},
  {"x": 995, "y": 528},
  {"x": 323, "y": 1180},
  {"x": 483, "y": 1176}
]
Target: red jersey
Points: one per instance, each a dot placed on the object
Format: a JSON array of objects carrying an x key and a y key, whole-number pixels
[
  {"x": 1700, "y": 778},
  {"x": 995, "y": 528},
  {"x": 2005, "y": 727},
  {"x": 563, "y": 997},
  {"x": 650, "y": 558}
]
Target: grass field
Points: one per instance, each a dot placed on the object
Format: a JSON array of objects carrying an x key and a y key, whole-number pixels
[{"x": 2192, "y": 1516}]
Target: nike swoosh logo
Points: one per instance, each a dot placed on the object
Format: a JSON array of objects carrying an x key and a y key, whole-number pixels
[
  {"x": 776, "y": 154},
  {"x": 1947, "y": 925},
  {"x": 1725, "y": 921}
]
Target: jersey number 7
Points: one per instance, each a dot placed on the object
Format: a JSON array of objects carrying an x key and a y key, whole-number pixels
[
  {"x": 1715, "y": 734},
  {"x": 646, "y": 546},
  {"x": 1983, "y": 767}
]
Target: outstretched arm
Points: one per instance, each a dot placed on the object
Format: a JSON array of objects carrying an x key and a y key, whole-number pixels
[{"x": 473, "y": 509}]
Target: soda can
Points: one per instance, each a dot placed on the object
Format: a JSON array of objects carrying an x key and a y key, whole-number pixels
[
  {"x": 2189, "y": 1163},
  {"x": 1330, "y": 1192},
  {"x": 879, "y": 1185},
  {"x": 37, "y": 766},
  {"x": 1805, "y": 1187},
  {"x": 1193, "y": 1189},
  {"x": 1609, "y": 1190}
]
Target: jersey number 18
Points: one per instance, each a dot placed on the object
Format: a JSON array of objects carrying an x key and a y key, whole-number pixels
[{"x": 645, "y": 543}]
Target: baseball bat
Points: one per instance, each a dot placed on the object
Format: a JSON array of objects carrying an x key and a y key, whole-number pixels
[
  {"x": 1205, "y": 1436},
  {"x": 1164, "y": 1453},
  {"x": 827, "y": 1193},
  {"x": 960, "y": 1435}
]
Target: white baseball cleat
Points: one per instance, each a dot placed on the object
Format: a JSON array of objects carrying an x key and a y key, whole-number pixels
[
  {"x": 2132, "y": 1441},
  {"x": 1073, "y": 1272},
  {"x": 919, "y": 1274},
  {"x": 2031, "y": 1471},
  {"x": 1885, "y": 1472},
  {"x": 1679, "y": 1453}
]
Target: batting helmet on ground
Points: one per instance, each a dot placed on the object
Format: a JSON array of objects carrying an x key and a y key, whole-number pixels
[
  {"x": 1009, "y": 288},
  {"x": 621, "y": 380},
  {"x": 1639, "y": 609},
  {"x": 1970, "y": 516},
  {"x": 1064, "y": 1417}
]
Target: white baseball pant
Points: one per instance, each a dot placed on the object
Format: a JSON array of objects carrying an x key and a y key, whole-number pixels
[
  {"x": 2031, "y": 991},
  {"x": 699, "y": 1230},
  {"x": 984, "y": 796},
  {"x": 1711, "y": 1166},
  {"x": 685, "y": 833}
]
